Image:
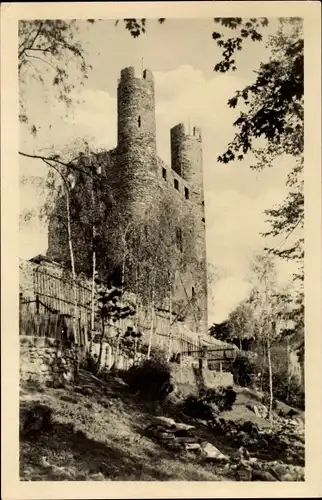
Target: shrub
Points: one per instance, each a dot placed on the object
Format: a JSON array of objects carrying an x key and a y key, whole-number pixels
[
  {"x": 198, "y": 408},
  {"x": 34, "y": 417},
  {"x": 90, "y": 363},
  {"x": 150, "y": 378},
  {"x": 288, "y": 389},
  {"x": 244, "y": 371},
  {"x": 222, "y": 397},
  {"x": 210, "y": 403}
]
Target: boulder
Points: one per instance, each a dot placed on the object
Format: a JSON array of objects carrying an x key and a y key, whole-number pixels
[
  {"x": 259, "y": 409},
  {"x": 164, "y": 435},
  {"x": 212, "y": 453},
  {"x": 166, "y": 421},
  {"x": 244, "y": 474},
  {"x": 263, "y": 476},
  {"x": 185, "y": 439},
  {"x": 182, "y": 426},
  {"x": 192, "y": 446}
]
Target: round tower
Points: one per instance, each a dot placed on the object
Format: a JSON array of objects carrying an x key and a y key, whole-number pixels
[
  {"x": 186, "y": 155},
  {"x": 136, "y": 113},
  {"x": 186, "y": 161}
]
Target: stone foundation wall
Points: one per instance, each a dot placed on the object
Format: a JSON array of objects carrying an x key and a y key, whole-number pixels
[
  {"x": 43, "y": 359},
  {"x": 190, "y": 377}
]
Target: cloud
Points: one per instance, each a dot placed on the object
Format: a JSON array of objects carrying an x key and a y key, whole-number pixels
[
  {"x": 184, "y": 95},
  {"x": 91, "y": 117},
  {"x": 226, "y": 295},
  {"x": 171, "y": 84},
  {"x": 95, "y": 116}
]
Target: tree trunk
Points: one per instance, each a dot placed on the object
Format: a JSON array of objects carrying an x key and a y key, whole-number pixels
[
  {"x": 72, "y": 262},
  {"x": 93, "y": 260},
  {"x": 100, "y": 354},
  {"x": 288, "y": 370},
  {"x": 93, "y": 292},
  {"x": 136, "y": 315},
  {"x": 270, "y": 381},
  {"x": 152, "y": 325},
  {"x": 117, "y": 348},
  {"x": 170, "y": 329},
  {"x": 122, "y": 295}
]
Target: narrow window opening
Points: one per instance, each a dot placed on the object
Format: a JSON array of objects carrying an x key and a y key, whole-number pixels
[
  {"x": 176, "y": 184},
  {"x": 139, "y": 121},
  {"x": 179, "y": 238},
  {"x": 203, "y": 219},
  {"x": 193, "y": 292},
  {"x": 164, "y": 174},
  {"x": 186, "y": 193}
]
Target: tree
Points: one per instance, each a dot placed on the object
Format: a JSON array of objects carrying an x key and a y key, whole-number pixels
[
  {"x": 47, "y": 50},
  {"x": 59, "y": 185},
  {"x": 274, "y": 113},
  {"x": 271, "y": 126},
  {"x": 268, "y": 313},
  {"x": 238, "y": 328},
  {"x": 110, "y": 308}
]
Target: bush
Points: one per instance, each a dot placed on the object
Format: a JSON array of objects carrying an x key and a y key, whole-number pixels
[
  {"x": 34, "y": 418},
  {"x": 288, "y": 390},
  {"x": 150, "y": 378},
  {"x": 222, "y": 397},
  {"x": 198, "y": 408},
  {"x": 90, "y": 363},
  {"x": 244, "y": 371},
  {"x": 210, "y": 403}
]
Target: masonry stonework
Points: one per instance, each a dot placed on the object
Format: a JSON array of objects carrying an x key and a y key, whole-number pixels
[
  {"x": 43, "y": 359},
  {"x": 140, "y": 181}
]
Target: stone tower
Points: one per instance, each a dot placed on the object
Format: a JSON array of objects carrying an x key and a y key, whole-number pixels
[
  {"x": 140, "y": 181},
  {"x": 144, "y": 179},
  {"x": 186, "y": 161},
  {"x": 136, "y": 133}
]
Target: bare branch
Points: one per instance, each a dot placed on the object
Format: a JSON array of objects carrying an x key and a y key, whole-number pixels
[
  {"x": 47, "y": 159},
  {"x": 33, "y": 41}
]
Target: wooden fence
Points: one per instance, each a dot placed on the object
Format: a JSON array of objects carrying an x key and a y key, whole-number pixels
[
  {"x": 35, "y": 319},
  {"x": 49, "y": 310},
  {"x": 58, "y": 295}
]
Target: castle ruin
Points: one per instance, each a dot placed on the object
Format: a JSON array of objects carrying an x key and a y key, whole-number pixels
[{"x": 141, "y": 189}]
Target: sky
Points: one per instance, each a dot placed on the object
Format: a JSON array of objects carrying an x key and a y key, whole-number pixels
[{"x": 182, "y": 55}]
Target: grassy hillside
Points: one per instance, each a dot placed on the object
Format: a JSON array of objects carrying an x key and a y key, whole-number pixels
[{"x": 98, "y": 432}]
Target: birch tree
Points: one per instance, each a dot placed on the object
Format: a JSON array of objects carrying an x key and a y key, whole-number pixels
[{"x": 267, "y": 313}]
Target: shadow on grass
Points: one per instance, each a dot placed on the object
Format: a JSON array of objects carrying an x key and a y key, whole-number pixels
[{"x": 61, "y": 447}]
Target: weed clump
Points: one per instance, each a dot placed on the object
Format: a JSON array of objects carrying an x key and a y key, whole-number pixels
[{"x": 150, "y": 378}]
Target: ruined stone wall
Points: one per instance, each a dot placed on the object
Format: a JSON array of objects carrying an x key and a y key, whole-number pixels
[
  {"x": 189, "y": 377},
  {"x": 43, "y": 359}
]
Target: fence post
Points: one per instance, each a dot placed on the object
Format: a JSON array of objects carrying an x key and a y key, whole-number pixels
[{"x": 85, "y": 337}]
